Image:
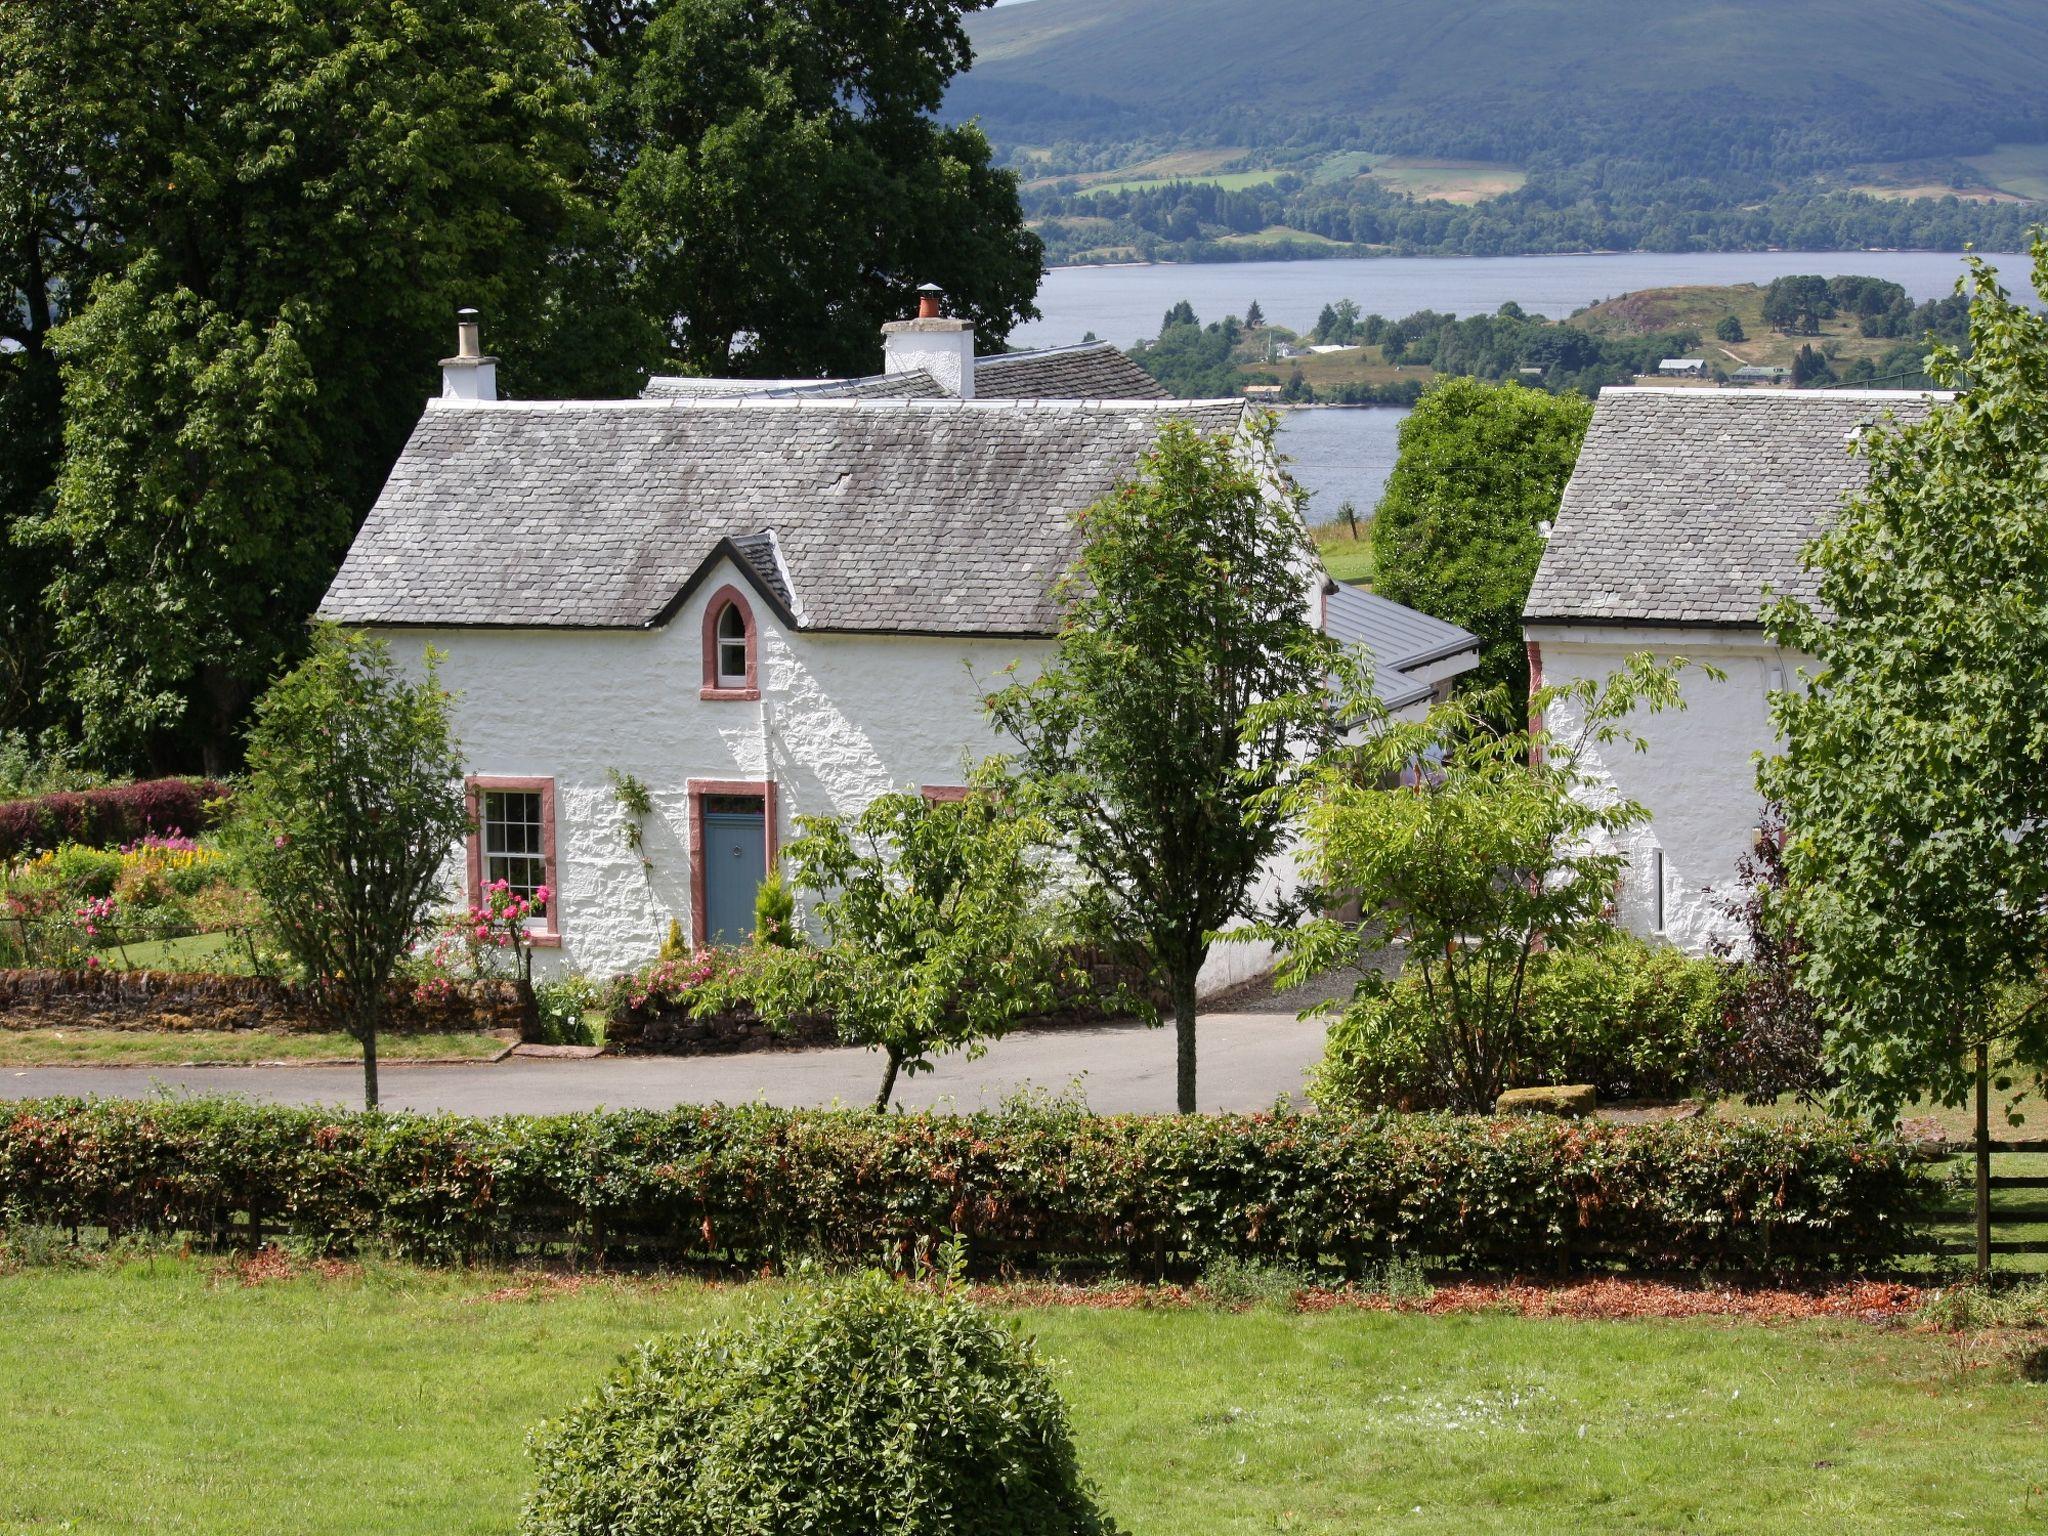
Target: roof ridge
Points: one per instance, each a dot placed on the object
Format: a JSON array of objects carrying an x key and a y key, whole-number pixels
[
  {"x": 756, "y": 402},
  {"x": 1776, "y": 395}
]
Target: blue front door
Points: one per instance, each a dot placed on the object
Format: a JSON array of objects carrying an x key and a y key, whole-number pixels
[{"x": 735, "y": 855}]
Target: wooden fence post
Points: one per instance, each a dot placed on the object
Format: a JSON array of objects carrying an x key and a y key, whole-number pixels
[{"x": 1983, "y": 1162}]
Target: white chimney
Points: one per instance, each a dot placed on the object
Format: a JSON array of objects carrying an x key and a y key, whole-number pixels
[
  {"x": 942, "y": 348},
  {"x": 468, "y": 375}
]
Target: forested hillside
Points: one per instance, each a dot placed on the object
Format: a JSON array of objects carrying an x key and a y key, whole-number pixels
[{"x": 1217, "y": 129}]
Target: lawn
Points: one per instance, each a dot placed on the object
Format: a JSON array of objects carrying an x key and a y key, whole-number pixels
[
  {"x": 167, "y": 1395},
  {"x": 186, "y": 1047},
  {"x": 1346, "y": 557}
]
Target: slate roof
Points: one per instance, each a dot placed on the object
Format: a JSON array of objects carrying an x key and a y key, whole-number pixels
[
  {"x": 1686, "y": 504},
  {"x": 1092, "y": 371},
  {"x": 923, "y": 517},
  {"x": 760, "y": 552},
  {"x": 1398, "y": 639}
]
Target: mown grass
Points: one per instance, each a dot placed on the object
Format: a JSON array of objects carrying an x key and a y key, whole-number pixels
[
  {"x": 185, "y": 1047},
  {"x": 165, "y": 1395},
  {"x": 1345, "y": 556}
]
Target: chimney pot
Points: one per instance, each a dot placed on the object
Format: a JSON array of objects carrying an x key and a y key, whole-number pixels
[{"x": 928, "y": 301}]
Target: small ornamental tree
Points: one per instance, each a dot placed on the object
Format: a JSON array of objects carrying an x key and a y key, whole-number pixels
[
  {"x": 1469, "y": 848},
  {"x": 1188, "y": 685},
  {"x": 1912, "y": 774},
  {"x": 353, "y": 801},
  {"x": 866, "y": 1406},
  {"x": 938, "y": 936}
]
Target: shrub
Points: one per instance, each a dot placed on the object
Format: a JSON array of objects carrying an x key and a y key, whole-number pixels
[
  {"x": 563, "y": 1006},
  {"x": 107, "y": 818},
  {"x": 87, "y": 871},
  {"x": 775, "y": 912},
  {"x": 1143, "y": 1195},
  {"x": 1632, "y": 1019},
  {"x": 1768, "y": 1042},
  {"x": 860, "y": 1407}
]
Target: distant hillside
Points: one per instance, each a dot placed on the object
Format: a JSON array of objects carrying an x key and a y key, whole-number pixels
[
  {"x": 1472, "y": 78},
  {"x": 1542, "y": 124}
]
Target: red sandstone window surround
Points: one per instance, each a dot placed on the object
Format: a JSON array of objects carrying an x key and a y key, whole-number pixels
[
  {"x": 512, "y": 838},
  {"x": 732, "y": 667}
]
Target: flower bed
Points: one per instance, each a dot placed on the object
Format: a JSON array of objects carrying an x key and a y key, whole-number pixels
[
  {"x": 1137, "y": 1195},
  {"x": 105, "y": 818}
]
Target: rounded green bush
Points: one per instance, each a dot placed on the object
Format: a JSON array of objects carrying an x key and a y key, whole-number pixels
[{"x": 861, "y": 1407}]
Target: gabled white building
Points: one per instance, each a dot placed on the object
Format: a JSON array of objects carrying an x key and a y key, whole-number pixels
[
  {"x": 759, "y": 598},
  {"x": 1687, "y": 507}
]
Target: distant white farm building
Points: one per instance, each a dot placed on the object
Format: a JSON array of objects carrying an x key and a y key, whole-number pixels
[
  {"x": 1683, "y": 367},
  {"x": 1760, "y": 373},
  {"x": 1685, "y": 508},
  {"x": 760, "y": 598}
]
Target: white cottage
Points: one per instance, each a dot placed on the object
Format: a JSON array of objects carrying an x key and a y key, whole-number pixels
[
  {"x": 1685, "y": 507},
  {"x": 759, "y": 598}
]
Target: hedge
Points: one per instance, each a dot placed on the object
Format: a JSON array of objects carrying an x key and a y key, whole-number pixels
[
  {"x": 106, "y": 818},
  {"x": 1140, "y": 1195}
]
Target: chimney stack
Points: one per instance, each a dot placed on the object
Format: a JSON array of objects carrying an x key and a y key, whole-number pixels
[
  {"x": 468, "y": 375},
  {"x": 942, "y": 348}
]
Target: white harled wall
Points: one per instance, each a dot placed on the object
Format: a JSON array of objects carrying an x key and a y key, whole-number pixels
[
  {"x": 1698, "y": 778},
  {"x": 841, "y": 719}
]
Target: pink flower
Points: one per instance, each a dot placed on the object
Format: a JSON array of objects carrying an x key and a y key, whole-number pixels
[{"x": 281, "y": 841}]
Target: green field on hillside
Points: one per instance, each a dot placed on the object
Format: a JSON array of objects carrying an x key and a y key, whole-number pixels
[{"x": 189, "y": 1395}]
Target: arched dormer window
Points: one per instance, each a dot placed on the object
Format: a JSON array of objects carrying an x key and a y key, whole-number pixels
[{"x": 731, "y": 664}]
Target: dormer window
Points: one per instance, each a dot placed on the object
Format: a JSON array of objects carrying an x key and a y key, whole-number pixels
[{"x": 731, "y": 656}]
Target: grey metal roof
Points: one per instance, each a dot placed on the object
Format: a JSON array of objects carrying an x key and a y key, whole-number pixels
[
  {"x": 1091, "y": 371},
  {"x": 944, "y": 517},
  {"x": 1686, "y": 504},
  {"x": 1396, "y": 638}
]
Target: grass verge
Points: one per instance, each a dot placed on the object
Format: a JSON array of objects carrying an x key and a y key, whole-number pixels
[
  {"x": 1346, "y": 556},
  {"x": 184, "y": 1047},
  {"x": 175, "y": 1395}
]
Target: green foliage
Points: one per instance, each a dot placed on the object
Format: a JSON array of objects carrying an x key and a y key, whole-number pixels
[
  {"x": 635, "y": 805},
  {"x": 937, "y": 936},
  {"x": 775, "y": 912},
  {"x": 1472, "y": 849},
  {"x": 861, "y": 1405},
  {"x": 788, "y": 188},
  {"x": 1797, "y": 305},
  {"x": 565, "y": 1008},
  {"x": 748, "y": 1186},
  {"x": 1632, "y": 1020},
  {"x": 253, "y": 264},
  {"x": 1192, "y": 361},
  {"x": 1187, "y": 680},
  {"x": 1917, "y": 863},
  {"x": 353, "y": 801},
  {"x": 193, "y": 524},
  {"x": 1480, "y": 467},
  {"x": 87, "y": 871},
  {"x": 1238, "y": 1282},
  {"x": 673, "y": 945},
  {"x": 1729, "y": 328}
]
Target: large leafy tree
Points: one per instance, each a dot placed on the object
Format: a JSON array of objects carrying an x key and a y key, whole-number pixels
[
  {"x": 1188, "y": 684},
  {"x": 353, "y": 804},
  {"x": 1481, "y": 467},
  {"x": 1912, "y": 772},
  {"x": 279, "y": 206},
  {"x": 786, "y": 187}
]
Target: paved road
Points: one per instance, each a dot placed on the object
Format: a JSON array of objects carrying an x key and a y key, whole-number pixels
[{"x": 1246, "y": 1060}]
